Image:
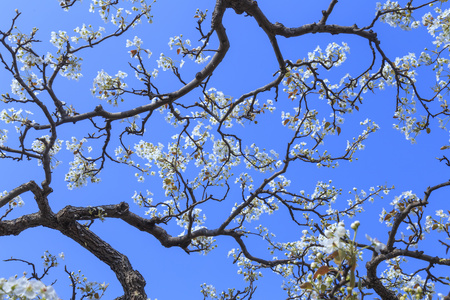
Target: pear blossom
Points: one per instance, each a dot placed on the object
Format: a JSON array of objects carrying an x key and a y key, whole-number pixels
[{"x": 378, "y": 246}]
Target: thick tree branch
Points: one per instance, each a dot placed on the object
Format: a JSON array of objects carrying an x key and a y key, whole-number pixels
[
  {"x": 131, "y": 280},
  {"x": 16, "y": 226}
]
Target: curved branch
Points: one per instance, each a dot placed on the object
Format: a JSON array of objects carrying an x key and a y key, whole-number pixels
[
  {"x": 132, "y": 281},
  {"x": 371, "y": 266},
  {"x": 400, "y": 217},
  {"x": 29, "y": 186}
]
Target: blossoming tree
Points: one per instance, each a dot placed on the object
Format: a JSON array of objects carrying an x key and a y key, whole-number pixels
[{"x": 199, "y": 151}]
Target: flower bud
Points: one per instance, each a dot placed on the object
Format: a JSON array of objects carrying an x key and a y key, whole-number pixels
[{"x": 355, "y": 225}]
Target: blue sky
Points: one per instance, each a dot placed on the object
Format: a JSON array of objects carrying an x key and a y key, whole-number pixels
[{"x": 171, "y": 274}]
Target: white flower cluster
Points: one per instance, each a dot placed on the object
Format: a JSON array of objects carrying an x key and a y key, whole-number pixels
[
  {"x": 376, "y": 244},
  {"x": 39, "y": 146},
  {"x": 71, "y": 68},
  {"x": 118, "y": 16},
  {"x": 298, "y": 77},
  {"x": 332, "y": 240},
  {"x": 25, "y": 54},
  {"x": 208, "y": 291},
  {"x": 214, "y": 160},
  {"x": 21, "y": 288},
  {"x": 308, "y": 124},
  {"x": 137, "y": 42},
  {"x": 15, "y": 202},
  {"x": 408, "y": 286},
  {"x": 246, "y": 268},
  {"x": 371, "y": 127},
  {"x": 438, "y": 26},
  {"x": 356, "y": 204},
  {"x": 398, "y": 17},
  {"x": 87, "y": 33},
  {"x": 165, "y": 62},
  {"x": 140, "y": 200},
  {"x": 18, "y": 89},
  {"x": 185, "y": 220},
  {"x": 88, "y": 289},
  {"x": 59, "y": 39},
  {"x": 3, "y": 136},
  {"x": 195, "y": 54},
  {"x": 168, "y": 164},
  {"x": 124, "y": 156},
  {"x": 178, "y": 41},
  {"x": 334, "y": 55},
  {"x": 399, "y": 203},
  {"x": 70, "y": 65},
  {"x": 81, "y": 168},
  {"x": 233, "y": 111},
  {"x": 440, "y": 224},
  {"x": 12, "y": 115},
  {"x": 256, "y": 209},
  {"x": 149, "y": 151},
  {"x": 407, "y": 120},
  {"x": 260, "y": 159},
  {"x": 28, "y": 59},
  {"x": 106, "y": 87},
  {"x": 405, "y": 197}
]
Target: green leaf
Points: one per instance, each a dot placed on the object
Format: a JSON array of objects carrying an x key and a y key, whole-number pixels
[{"x": 306, "y": 286}]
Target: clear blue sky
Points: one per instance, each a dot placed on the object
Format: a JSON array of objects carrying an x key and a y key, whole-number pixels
[{"x": 170, "y": 273}]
